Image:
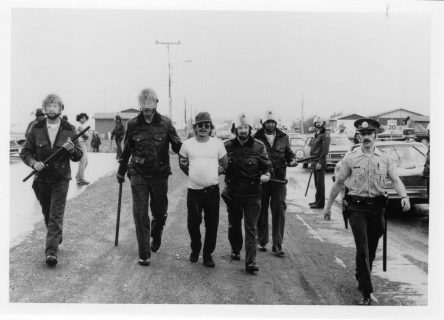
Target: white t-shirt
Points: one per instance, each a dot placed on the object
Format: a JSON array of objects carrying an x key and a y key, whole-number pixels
[{"x": 203, "y": 160}]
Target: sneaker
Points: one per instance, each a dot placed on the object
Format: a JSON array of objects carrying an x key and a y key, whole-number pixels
[
  {"x": 279, "y": 253},
  {"x": 251, "y": 267},
  {"x": 194, "y": 256},
  {"x": 83, "y": 182},
  {"x": 144, "y": 262},
  {"x": 235, "y": 256},
  {"x": 365, "y": 302},
  {"x": 261, "y": 248},
  {"x": 51, "y": 260},
  {"x": 155, "y": 245},
  {"x": 208, "y": 261}
]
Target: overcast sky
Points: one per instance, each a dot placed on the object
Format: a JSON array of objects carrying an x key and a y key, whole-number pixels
[{"x": 99, "y": 60}]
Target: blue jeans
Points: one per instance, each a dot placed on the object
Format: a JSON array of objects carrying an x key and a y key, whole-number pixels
[
  {"x": 52, "y": 198},
  {"x": 142, "y": 188},
  {"x": 83, "y": 162}
]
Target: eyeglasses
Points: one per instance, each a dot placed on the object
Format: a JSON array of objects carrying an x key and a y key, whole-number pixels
[{"x": 204, "y": 125}]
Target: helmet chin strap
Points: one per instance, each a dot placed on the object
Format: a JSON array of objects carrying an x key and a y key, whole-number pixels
[{"x": 53, "y": 117}]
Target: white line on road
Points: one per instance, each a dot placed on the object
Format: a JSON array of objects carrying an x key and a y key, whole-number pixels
[
  {"x": 340, "y": 262},
  {"x": 313, "y": 233}
]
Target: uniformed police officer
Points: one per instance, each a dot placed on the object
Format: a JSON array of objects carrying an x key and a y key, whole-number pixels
[
  {"x": 248, "y": 167},
  {"x": 367, "y": 168},
  {"x": 274, "y": 194},
  {"x": 51, "y": 182},
  {"x": 147, "y": 141}
]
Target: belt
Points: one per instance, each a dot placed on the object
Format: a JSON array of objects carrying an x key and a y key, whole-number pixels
[
  {"x": 206, "y": 189},
  {"x": 358, "y": 200}
]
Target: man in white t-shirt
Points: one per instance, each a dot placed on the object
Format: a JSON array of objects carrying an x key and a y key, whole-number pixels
[{"x": 200, "y": 158}]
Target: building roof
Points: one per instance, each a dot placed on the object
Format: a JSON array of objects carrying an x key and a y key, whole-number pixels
[
  {"x": 130, "y": 110},
  {"x": 420, "y": 118},
  {"x": 400, "y": 111},
  {"x": 112, "y": 115},
  {"x": 352, "y": 116}
]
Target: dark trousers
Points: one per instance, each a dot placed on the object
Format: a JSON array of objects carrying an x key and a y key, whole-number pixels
[
  {"x": 142, "y": 188},
  {"x": 52, "y": 198},
  {"x": 249, "y": 209},
  {"x": 367, "y": 223},
  {"x": 273, "y": 196},
  {"x": 319, "y": 180},
  {"x": 119, "y": 147},
  {"x": 206, "y": 200}
]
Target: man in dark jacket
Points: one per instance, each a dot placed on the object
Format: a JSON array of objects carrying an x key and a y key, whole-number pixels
[
  {"x": 118, "y": 133},
  {"x": 39, "y": 116},
  {"x": 319, "y": 145},
  {"x": 147, "y": 141},
  {"x": 52, "y": 180},
  {"x": 248, "y": 167},
  {"x": 274, "y": 194}
]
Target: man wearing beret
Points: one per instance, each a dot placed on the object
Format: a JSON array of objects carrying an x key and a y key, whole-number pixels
[
  {"x": 51, "y": 181},
  {"x": 39, "y": 116},
  {"x": 367, "y": 167},
  {"x": 147, "y": 140},
  {"x": 200, "y": 157}
]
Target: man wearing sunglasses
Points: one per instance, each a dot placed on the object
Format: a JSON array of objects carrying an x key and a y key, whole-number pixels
[
  {"x": 199, "y": 158},
  {"x": 367, "y": 168},
  {"x": 248, "y": 167},
  {"x": 147, "y": 141}
]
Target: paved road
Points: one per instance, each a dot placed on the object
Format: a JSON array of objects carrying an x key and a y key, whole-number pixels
[{"x": 318, "y": 268}]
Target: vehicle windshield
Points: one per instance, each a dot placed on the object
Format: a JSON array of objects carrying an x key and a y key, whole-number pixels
[
  {"x": 297, "y": 142},
  {"x": 405, "y": 155},
  {"x": 340, "y": 141}
]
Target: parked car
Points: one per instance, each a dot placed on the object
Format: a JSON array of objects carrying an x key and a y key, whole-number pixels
[
  {"x": 339, "y": 145},
  {"x": 299, "y": 146},
  {"x": 14, "y": 148},
  {"x": 409, "y": 159}
]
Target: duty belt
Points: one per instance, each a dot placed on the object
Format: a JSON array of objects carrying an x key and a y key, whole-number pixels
[
  {"x": 206, "y": 189},
  {"x": 371, "y": 201}
]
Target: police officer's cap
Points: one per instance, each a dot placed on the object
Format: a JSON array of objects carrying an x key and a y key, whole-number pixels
[
  {"x": 148, "y": 93},
  {"x": 367, "y": 125}
]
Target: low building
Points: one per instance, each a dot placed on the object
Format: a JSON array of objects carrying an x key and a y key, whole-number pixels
[
  {"x": 345, "y": 121},
  {"x": 394, "y": 120},
  {"x": 105, "y": 121}
]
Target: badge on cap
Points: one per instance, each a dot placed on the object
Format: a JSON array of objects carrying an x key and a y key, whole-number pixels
[
  {"x": 364, "y": 124},
  {"x": 51, "y": 99}
]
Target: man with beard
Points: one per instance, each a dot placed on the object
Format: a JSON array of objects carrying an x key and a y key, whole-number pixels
[
  {"x": 199, "y": 159},
  {"x": 248, "y": 167},
  {"x": 274, "y": 194},
  {"x": 319, "y": 147},
  {"x": 51, "y": 182},
  {"x": 367, "y": 168},
  {"x": 147, "y": 140},
  {"x": 118, "y": 133}
]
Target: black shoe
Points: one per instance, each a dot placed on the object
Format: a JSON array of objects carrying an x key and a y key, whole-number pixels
[
  {"x": 261, "y": 248},
  {"x": 251, "y": 267},
  {"x": 365, "y": 302},
  {"x": 61, "y": 239},
  {"x": 316, "y": 206},
  {"x": 144, "y": 262},
  {"x": 312, "y": 203},
  {"x": 155, "y": 245},
  {"x": 208, "y": 261},
  {"x": 51, "y": 260},
  {"x": 235, "y": 256},
  {"x": 194, "y": 256}
]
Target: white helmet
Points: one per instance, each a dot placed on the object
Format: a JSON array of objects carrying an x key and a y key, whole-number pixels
[
  {"x": 318, "y": 119},
  {"x": 269, "y": 116},
  {"x": 242, "y": 119}
]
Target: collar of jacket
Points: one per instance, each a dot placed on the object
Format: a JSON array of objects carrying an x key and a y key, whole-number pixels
[
  {"x": 248, "y": 143},
  {"x": 141, "y": 118},
  {"x": 261, "y": 133},
  {"x": 320, "y": 131},
  {"x": 63, "y": 124}
]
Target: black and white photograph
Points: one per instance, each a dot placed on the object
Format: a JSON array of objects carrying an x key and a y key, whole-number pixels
[{"x": 261, "y": 159}]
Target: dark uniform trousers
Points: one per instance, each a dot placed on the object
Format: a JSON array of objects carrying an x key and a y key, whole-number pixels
[
  {"x": 249, "y": 209},
  {"x": 273, "y": 196},
  {"x": 52, "y": 198},
  {"x": 119, "y": 147},
  {"x": 319, "y": 180},
  {"x": 367, "y": 223},
  {"x": 206, "y": 200},
  {"x": 142, "y": 188}
]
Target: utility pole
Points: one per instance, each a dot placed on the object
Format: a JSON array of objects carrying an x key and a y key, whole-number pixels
[
  {"x": 185, "y": 114},
  {"x": 169, "y": 74},
  {"x": 302, "y": 113}
]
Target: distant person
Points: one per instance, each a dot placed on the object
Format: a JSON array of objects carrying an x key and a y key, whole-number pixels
[
  {"x": 51, "y": 182},
  {"x": 39, "y": 116},
  {"x": 199, "y": 159},
  {"x": 147, "y": 142},
  {"x": 65, "y": 117},
  {"x": 95, "y": 142},
  {"x": 357, "y": 138},
  {"x": 80, "y": 177},
  {"x": 118, "y": 133},
  {"x": 319, "y": 147}
]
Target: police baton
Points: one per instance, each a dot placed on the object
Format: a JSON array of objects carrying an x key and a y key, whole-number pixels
[
  {"x": 309, "y": 179},
  {"x": 119, "y": 204},
  {"x": 57, "y": 153}
]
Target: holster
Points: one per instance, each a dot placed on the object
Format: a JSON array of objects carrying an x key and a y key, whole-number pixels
[{"x": 345, "y": 212}]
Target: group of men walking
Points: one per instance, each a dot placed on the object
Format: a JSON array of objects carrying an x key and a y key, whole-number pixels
[{"x": 255, "y": 180}]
